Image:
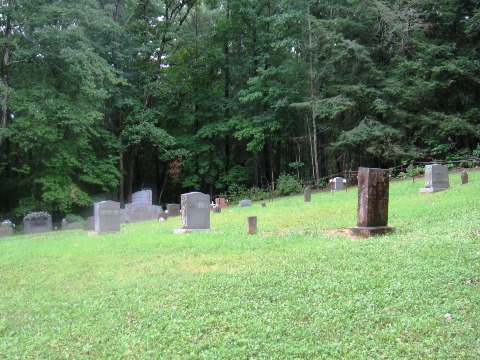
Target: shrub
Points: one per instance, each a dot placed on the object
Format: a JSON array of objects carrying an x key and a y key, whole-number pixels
[
  {"x": 71, "y": 218},
  {"x": 288, "y": 185}
]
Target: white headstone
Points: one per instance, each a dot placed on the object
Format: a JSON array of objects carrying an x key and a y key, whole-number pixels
[
  {"x": 195, "y": 210},
  {"x": 107, "y": 216}
]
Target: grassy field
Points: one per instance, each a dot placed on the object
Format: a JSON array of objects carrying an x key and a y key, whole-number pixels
[{"x": 299, "y": 288}]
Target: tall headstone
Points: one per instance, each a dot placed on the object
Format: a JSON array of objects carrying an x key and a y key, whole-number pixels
[
  {"x": 463, "y": 177},
  {"x": 195, "y": 211},
  {"x": 173, "y": 210},
  {"x": 137, "y": 212},
  {"x": 372, "y": 211},
  {"x": 307, "y": 194},
  {"x": 107, "y": 216},
  {"x": 436, "y": 178},
  {"x": 37, "y": 222},
  {"x": 338, "y": 184},
  {"x": 142, "y": 197}
]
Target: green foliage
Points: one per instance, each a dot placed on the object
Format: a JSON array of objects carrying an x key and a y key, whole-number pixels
[
  {"x": 71, "y": 218},
  {"x": 287, "y": 185}
]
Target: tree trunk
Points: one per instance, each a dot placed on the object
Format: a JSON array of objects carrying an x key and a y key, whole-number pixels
[
  {"x": 5, "y": 77},
  {"x": 131, "y": 171},
  {"x": 312, "y": 94}
]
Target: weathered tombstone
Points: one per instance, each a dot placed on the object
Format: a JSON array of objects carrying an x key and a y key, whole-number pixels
[
  {"x": 137, "y": 212},
  {"x": 221, "y": 202},
  {"x": 64, "y": 224},
  {"x": 338, "y": 184},
  {"x": 244, "y": 203},
  {"x": 264, "y": 204},
  {"x": 6, "y": 229},
  {"x": 195, "y": 211},
  {"x": 251, "y": 224},
  {"x": 37, "y": 222},
  {"x": 436, "y": 179},
  {"x": 142, "y": 197},
  {"x": 372, "y": 211},
  {"x": 217, "y": 209},
  {"x": 173, "y": 210},
  {"x": 463, "y": 177},
  {"x": 307, "y": 194},
  {"x": 107, "y": 216}
]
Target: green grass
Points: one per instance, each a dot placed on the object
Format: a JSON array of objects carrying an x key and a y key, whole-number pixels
[{"x": 299, "y": 288}]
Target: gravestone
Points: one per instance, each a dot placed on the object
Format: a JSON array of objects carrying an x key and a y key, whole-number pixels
[
  {"x": 222, "y": 202},
  {"x": 372, "y": 211},
  {"x": 6, "y": 229},
  {"x": 264, "y": 204},
  {"x": 244, "y": 203},
  {"x": 217, "y": 209},
  {"x": 463, "y": 177},
  {"x": 142, "y": 197},
  {"x": 173, "y": 210},
  {"x": 338, "y": 184},
  {"x": 307, "y": 194},
  {"x": 37, "y": 222},
  {"x": 138, "y": 212},
  {"x": 436, "y": 179},
  {"x": 107, "y": 216},
  {"x": 195, "y": 211},
  {"x": 64, "y": 224}
]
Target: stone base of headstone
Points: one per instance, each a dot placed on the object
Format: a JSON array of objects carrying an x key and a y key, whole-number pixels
[
  {"x": 188, "y": 231},
  {"x": 367, "y": 231},
  {"x": 431, "y": 190}
]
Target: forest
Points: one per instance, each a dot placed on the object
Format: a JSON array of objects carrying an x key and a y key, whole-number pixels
[{"x": 102, "y": 98}]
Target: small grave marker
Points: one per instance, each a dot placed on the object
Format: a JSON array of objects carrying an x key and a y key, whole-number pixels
[
  {"x": 251, "y": 224},
  {"x": 173, "y": 210},
  {"x": 338, "y": 184},
  {"x": 222, "y": 202},
  {"x": 463, "y": 177},
  {"x": 307, "y": 194},
  {"x": 246, "y": 202},
  {"x": 6, "y": 229}
]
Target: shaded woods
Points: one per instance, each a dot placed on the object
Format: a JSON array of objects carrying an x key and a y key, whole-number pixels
[{"x": 107, "y": 97}]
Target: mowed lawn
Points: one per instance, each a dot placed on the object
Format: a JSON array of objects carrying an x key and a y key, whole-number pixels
[{"x": 299, "y": 288}]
